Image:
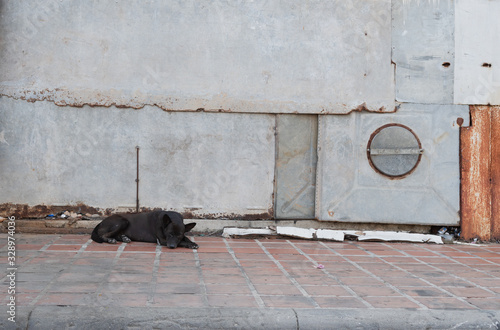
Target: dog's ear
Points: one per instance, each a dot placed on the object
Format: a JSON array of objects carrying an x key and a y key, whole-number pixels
[
  {"x": 189, "y": 226},
  {"x": 164, "y": 218}
]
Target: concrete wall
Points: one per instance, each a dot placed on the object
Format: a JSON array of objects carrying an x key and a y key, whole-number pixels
[{"x": 214, "y": 94}]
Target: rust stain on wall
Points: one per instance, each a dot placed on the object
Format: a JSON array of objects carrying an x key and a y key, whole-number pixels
[
  {"x": 480, "y": 171},
  {"x": 24, "y": 211}
]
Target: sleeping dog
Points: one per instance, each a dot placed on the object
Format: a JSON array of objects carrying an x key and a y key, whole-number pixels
[{"x": 163, "y": 227}]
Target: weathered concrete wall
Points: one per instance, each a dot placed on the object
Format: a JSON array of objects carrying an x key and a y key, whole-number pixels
[
  {"x": 244, "y": 56},
  {"x": 477, "y": 72},
  {"x": 202, "y": 163},
  {"x": 235, "y": 79}
]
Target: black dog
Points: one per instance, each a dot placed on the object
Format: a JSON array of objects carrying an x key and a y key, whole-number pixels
[{"x": 163, "y": 227}]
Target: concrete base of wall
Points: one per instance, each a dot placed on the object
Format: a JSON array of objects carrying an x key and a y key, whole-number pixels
[{"x": 203, "y": 226}]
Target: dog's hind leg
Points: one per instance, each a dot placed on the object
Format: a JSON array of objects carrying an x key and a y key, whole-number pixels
[{"x": 112, "y": 228}]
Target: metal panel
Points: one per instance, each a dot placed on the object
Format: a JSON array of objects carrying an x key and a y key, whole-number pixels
[
  {"x": 423, "y": 50},
  {"x": 350, "y": 190},
  {"x": 477, "y": 72},
  {"x": 206, "y": 164},
  {"x": 296, "y": 166},
  {"x": 240, "y": 56}
]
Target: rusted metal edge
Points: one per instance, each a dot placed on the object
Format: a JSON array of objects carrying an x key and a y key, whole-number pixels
[
  {"x": 475, "y": 172},
  {"x": 495, "y": 172},
  {"x": 219, "y": 103}
]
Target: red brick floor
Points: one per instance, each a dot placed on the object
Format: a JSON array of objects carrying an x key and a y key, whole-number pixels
[{"x": 73, "y": 270}]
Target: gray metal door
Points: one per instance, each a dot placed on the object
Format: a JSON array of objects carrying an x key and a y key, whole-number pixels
[{"x": 296, "y": 159}]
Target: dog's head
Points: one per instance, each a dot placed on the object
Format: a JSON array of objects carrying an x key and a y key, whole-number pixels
[{"x": 175, "y": 229}]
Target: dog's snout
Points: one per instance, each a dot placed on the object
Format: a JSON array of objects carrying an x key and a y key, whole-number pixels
[{"x": 171, "y": 246}]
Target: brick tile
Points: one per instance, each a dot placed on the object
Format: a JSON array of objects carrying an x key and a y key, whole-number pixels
[
  {"x": 253, "y": 256},
  {"x": 449, "y": 281},
  {"x": 489, "y": 282},
  {"x": 387, "y": 253},
  {"x": 28, "y": 287},
  {"x": 357, "y": 258},
  {"x": 178, "y": 278},
  {"x": 180, "y": 288},
  {"x": 221, "y": 271},
  {"x": 443, "y": 303},
  {"x": 401, "y": 260},
  {"x": 316, "y": 280},
  {"x": 362, "y": 281},
  {"x": 227, "y": 279},
  {"x": 492, "y": 303},
  {"x": 211, "y": 239},
  {"x": 78, "y": 287},
  {"x": 221, "y": 249},
  {"x": 124, "y": 268},
  {"x": 227, "y": 289},
  {"x": 178, "y": 300},
  {"x": 287, "y": 302},
  {"x": 351, "y": 252},
  {"x": 251, "y": 250},
  {"x": 405, "y": 281},
  {"x": 65, "y": 299},
  {"x": 436, "y": 260},
  {"x": 469, "y": 292},
  {"x": 126, "y": 277},
  {"x": 64, "y": 247},
  {"x": 126, "y": 287},
  {"x": 473, "y": 261},
  {"x": 82, "y": 277},
  {"x": 320, "y": 251},
  {"x": 424, "y": 291},
  {"x": 279, "y": 251},
  {"x": 23, "y": 299},
  {"x": 233, "y": 301},
  {"x": 102, "y": 247},
  {"x": 330, "y": 290},
  {"x": 35, "y": 247},
  {"x": 177, "y": 270},
  {"x": 374, "y": 291},
  {"x": 128, "y": 300},
  {"x": 96, "y": 255},
  {"x": 289, "y": 257},
  {"x": 454, "y": 254},
  {"x": 271, "y": 271},
  {"x": 391, "y": 302},
  {"x": 421, "y": 253},
  {"x": 277, "y": 289},
  {"x": 97, "y": 262},
  {"x": 339, "y": 302},
  {"x": 35, "y": 277},
  {"x": 259, "y": 279}
]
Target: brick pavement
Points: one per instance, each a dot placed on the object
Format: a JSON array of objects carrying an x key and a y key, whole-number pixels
[{"x": 72, "y": 270}]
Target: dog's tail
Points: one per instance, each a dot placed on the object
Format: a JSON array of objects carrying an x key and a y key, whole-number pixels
[{"x": 95, "y": 235}]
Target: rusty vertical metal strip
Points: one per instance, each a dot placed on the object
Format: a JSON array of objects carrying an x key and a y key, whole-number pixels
[
  {"x": 475, "y": 170},
  {"x": 137, "y": 183},
  {"x": 495, "y": 172}
]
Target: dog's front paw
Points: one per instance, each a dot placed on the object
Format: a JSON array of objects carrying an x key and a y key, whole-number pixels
[
  {"x": 193, "y": 246},
  {"x": 111, "y": 241}
]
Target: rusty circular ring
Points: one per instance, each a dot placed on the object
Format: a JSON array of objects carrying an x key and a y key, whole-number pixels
[{"x": 372, "y": 136}]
